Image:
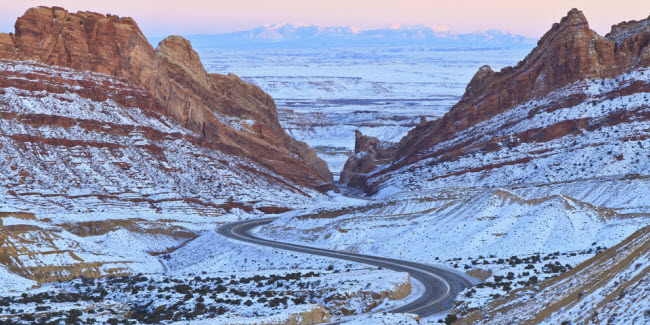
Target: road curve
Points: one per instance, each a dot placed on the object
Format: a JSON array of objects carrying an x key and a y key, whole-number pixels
[{"x": 441, "y": 285}]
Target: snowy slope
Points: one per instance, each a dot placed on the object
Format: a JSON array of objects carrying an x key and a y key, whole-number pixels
[
  {"x": 604, "y": 136},
  {"x": 610, "y": 288},
  {"x": 65, "y": 150},
  {"x": 458, "y": 223}
]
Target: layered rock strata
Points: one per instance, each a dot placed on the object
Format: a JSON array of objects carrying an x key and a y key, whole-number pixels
[{"x": 213, "y": 106}]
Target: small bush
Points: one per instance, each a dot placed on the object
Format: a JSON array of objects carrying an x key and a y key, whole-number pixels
[{"x": 450, "y": 319}]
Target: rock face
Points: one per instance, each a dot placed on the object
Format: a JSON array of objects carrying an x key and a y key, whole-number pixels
[
  {"x": 317, "y": 315},
  {"x": 209, "y": 105},
  {"x": 368, "y": 153},
  {"x": 567, "y": 53},
  {"x": 227, "y": 95},
  {"x": 74, "y": 141},
  {"x": 46, "y": 255}
]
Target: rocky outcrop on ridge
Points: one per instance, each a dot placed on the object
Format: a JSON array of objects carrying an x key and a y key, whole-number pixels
[
  {"x": 369, "y": 152},
  {"x": 569, "y": 52}
]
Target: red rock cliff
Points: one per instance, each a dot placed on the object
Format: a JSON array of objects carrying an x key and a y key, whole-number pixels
[
  {"x": 570, "y": 51},
  {"x": 174, "y": 76}
]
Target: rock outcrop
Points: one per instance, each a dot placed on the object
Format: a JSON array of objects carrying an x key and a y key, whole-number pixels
[
  {"x": 175, "y": 78},
  {"x": 227, "y": 95},
  {"x": 45, "y": 255},
  {"x": 317, "y": 315},
  {"x": 569, "y": 52},
  {"x": 369, "y": 152}
]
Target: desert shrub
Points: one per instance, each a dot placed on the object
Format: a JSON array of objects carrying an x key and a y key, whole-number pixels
[
  {"x": 450, "y": 319},
  {"x": 182, "y": 288}
]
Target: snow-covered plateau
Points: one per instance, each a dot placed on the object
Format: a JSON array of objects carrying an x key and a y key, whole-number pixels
[{"x": 324, "y": 96}]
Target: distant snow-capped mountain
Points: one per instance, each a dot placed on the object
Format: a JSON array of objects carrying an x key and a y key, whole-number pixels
[
  {"x": 300, "y": 35},
  {"x": 291, "y": 32}
]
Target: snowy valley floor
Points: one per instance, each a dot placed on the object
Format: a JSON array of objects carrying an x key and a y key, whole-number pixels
[
  {"x": 176, "y": 268},
  {"x": 505, "y": 240}
]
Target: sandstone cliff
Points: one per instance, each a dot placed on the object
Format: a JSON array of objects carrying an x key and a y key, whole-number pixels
[
  {"x": 175, "y": 78},
  {"x": 569, "y": 52}
]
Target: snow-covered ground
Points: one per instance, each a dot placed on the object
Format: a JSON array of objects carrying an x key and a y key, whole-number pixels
[
  {"x": 514, "y": 226},
  {"x": 610, "y": 288},
  {"x": 508, "y": 241},
  {"x": 203, "y": 278},
  {"x": 457, "y": 223}
]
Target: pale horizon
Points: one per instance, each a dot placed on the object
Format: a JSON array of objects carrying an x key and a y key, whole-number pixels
[{"x": 162, "y": 18}]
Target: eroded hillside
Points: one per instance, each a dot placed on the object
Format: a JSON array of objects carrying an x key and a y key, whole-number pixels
[
  {"x": 574, "y": 108},
  {"x": 85, "y": 142},
  {"x": 610, "y": 288},
  {"x": 210, "y": 106}
]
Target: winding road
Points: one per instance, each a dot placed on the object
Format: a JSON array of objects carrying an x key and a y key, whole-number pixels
[{"x": 441, "y": 285}]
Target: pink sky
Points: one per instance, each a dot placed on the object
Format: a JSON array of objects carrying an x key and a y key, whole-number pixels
[{"x": 525, "y": 17}]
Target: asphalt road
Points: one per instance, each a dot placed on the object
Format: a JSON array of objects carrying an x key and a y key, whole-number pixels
[{"x": 441, "y": 285}]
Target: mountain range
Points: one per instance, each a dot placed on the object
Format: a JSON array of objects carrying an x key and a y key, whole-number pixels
[{"x": 297, "y": 35}]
